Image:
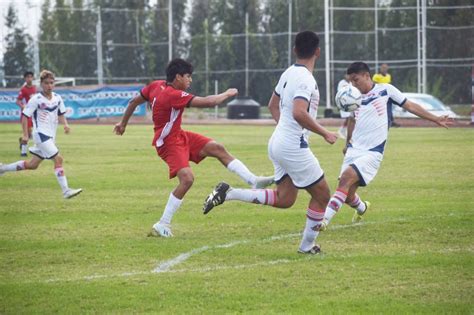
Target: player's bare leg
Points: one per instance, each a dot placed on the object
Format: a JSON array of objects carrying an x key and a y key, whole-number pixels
[
  {"x": 163, "y": 226},
  {"x": 68, "y": 193},
  {"x": 218, "y": 151},
  {"x": 284, "y": 196},
  {"x": 348, "y": 179},
  {"x": 314, "y": 217},
  {"x": 22, "y": 165}
]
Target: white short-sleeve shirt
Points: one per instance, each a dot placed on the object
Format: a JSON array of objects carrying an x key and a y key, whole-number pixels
[
  {"x": 371, "y": 128},
  {"x": 297, "y": 82},
  {"x": 45, "y": 113}
]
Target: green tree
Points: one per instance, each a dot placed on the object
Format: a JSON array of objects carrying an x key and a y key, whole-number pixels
[{"x": 18, "y": 56}]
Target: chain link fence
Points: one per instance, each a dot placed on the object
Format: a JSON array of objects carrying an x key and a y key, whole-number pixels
[{"x": 428, "y": 47}]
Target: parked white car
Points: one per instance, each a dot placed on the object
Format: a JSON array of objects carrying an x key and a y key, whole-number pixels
[{"x": 428, "y": 102}]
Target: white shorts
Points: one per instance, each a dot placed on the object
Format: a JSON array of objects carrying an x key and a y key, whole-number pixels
[
  {"x": 365, "y": 163},
  {"x": 44, "y": 147},
  {"x": 299, "y": 164},
  {"x": 345, "y": 114}
]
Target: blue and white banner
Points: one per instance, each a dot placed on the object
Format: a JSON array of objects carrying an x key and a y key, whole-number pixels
[{"x": 80, "y": 103}]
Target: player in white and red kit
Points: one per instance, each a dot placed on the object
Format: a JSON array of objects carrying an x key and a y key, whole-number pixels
[
  {"x": 177, "y": 147},
  {"x": 293, "y": 105},
  {"x": 46, "y": 108},
  {"x": 366, "y": 139},
  {"x": 26, "y": 91}
]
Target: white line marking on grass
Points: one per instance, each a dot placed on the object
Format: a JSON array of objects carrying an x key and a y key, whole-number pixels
[{"x": 167, "y": 265}]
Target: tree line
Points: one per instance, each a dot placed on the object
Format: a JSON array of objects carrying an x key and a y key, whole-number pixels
[{"x": 135, "y": 34}]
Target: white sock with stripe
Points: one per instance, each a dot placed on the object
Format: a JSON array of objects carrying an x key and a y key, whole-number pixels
[
  {"x": 239, "y": 168},
  {"x": 258, "y": 196},
  {"x": 313, "y": 218},
  {"x": 13, "y": 167},
  {"x": 357, "y": 204},
  {"x": 62, "y": 180},
  {"x": 335, "y": 203},
  {"x": 172, "y": 206}
]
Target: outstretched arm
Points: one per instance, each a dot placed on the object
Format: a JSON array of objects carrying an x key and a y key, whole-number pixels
[
  {"x": 62, "y": 119},
  {"x": 119, "y": 128},
  {"x": 212, "y": 100},
  {"x": 24, "y": 127},
  {"x": 301, "y": 115},
  {"x": 274, "y": 106},
  {"x": 443, "y": 121}
]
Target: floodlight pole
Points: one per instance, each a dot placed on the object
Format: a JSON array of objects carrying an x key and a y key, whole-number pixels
[
  {"x": 423, "y": 34},
  {"x": 326, "y": 53},
  {"x": 290, "y": 22},
  {"x": 36, "y": 58},
  {"x": 206, "y": 34},
  {"x": 376, "y": 33},
  {"x": 418, "y": 43},
  {"x": 170, "y": 30},
  {"x": 331, "y": 39},
  {"x": 246, "y": 53},
  {"x": 98, "y": 36}
]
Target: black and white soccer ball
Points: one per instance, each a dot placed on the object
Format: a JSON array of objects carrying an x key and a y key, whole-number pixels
[{"x": 348, "y": 98}]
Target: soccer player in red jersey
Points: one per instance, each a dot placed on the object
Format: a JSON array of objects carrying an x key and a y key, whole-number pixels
[
  {"x": 177, "y": 147},
  {"x": 27, "y": 90}
]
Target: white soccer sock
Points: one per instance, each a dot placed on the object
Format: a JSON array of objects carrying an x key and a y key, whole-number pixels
[
  {"x": 62, "y": 180},
  {"x": 13, "y": 167},
  {"x": 313, "y": 218},
  {"x": 239, "y": 168},
  {"x": 24, "y": 148},
  {"x": 335, "y": 203},
  {"x": 171, "y": 207},
  {"x": 258, "y": 196},
  {"x": 357, "y": 204}
]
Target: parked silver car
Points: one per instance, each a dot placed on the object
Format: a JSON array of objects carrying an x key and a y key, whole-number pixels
[{"x": 428, "y": 102}]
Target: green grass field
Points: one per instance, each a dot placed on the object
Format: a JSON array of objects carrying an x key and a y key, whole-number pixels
[{"x": 414, "y": 253}]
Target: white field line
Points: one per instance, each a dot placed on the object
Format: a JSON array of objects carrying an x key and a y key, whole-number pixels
[{"x": 167, "y": 265}]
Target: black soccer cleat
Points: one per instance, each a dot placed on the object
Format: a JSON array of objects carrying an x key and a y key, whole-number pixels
[
  {"x": 217, "y": 197},
  {"x": 316, "y": 249}
]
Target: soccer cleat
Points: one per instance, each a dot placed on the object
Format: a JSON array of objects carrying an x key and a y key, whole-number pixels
[
  {"x": 70, "y": 193},
  {"x": 357, "y": 217},
  {"x": 216, "y": 197},
  {"x": 160, "y": 230},
  {"x": 262, "y": 182},
  {"x": 1, "y": 169},
  {"x": 316, "y": 249}
]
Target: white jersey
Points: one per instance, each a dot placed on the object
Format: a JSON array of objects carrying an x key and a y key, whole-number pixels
[
  {"x": 296, "y": 82},
  {"x": 45, "y": 113},
  {"x": 371, "y": 128}
]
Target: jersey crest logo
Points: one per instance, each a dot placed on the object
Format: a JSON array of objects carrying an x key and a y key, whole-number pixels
[
  {"x": 303, "y": 86},
  {"x": 184, "y": 94}
]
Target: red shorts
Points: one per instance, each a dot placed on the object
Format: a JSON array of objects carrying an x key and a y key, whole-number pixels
[{"x": 178, "y": 150}]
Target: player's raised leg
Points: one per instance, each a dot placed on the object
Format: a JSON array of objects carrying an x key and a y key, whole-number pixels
[
  {"x": 218, "y": 151},
  {"x": 348, "y": 178},
  {"x": 284, "y": 196},
  {"x": 21, "y": 165}
]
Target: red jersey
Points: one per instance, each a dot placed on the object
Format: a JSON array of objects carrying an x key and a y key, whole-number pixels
[
  {"x": 26, "y": 92},
  {"x": 167, "y": 104}
]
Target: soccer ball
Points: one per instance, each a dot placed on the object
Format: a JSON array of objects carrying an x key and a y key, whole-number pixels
[{"x": 348, "y": 98}]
